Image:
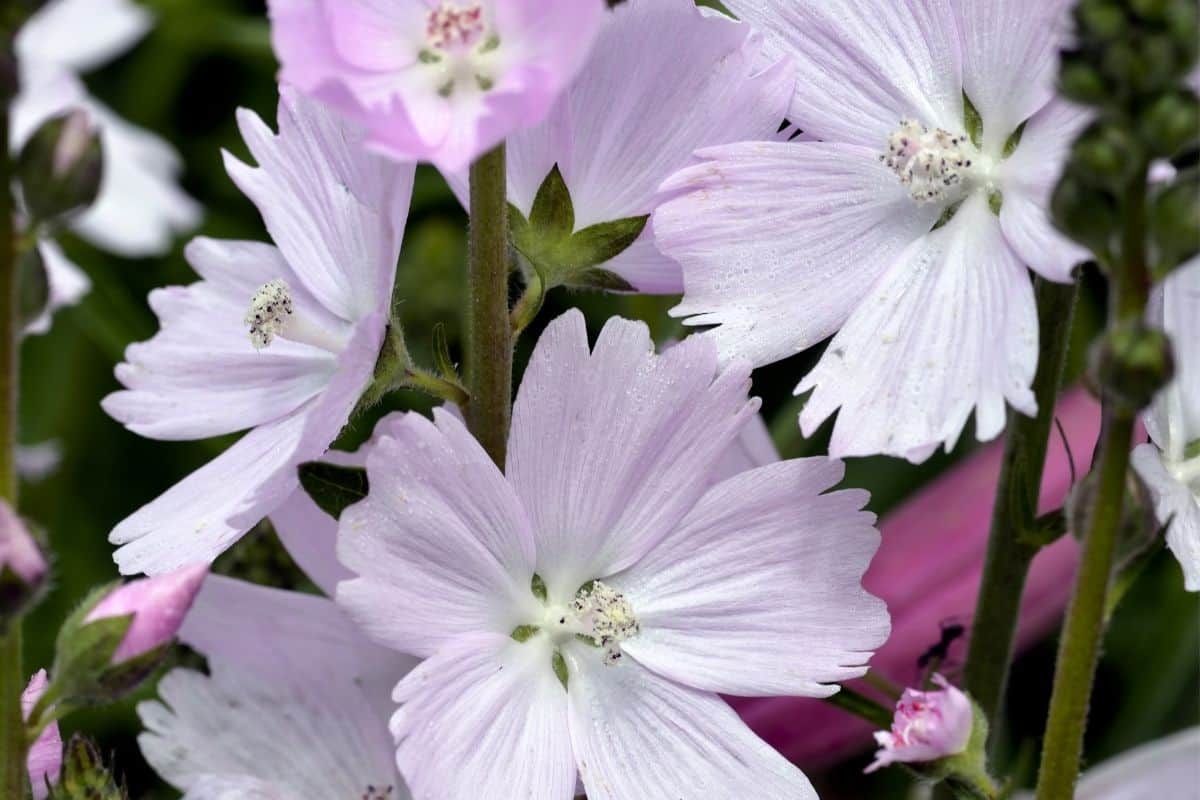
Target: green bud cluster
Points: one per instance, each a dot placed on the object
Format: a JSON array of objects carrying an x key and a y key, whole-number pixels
[
  {"x": 1133, "y": 361},
  {"x": 85, "y": 776},
  {"x": 1130, "y": 60}
]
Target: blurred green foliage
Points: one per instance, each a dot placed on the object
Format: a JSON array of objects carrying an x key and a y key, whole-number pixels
[{"x": 206, "y": 58}]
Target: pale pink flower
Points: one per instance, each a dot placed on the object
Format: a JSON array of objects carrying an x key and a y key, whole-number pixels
[
  {"x": 1166, "y": 768},
  {"x": 579, "y": 613},
  {"x": 927, "y": 726},
  {"x": 616, "y": 135},
  {"x": 1170, "y": 464},
  {"x": 18, "y": 551},
  {"x": 435, "y": 80},
  {"x": 281, "y": 339},
  {"x": 158, "y": 606},
  {"x": 140, "y": 208},
  {"x": 895, "y": 230},
  {"x": 295, "y": 704},
  {"x": 44, "y": 761}
]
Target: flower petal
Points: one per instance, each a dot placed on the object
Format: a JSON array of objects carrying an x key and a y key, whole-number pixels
[
  {"x": 1010, "y": 60},
  {"x": 485, "y": 718},
  {"x": 82, "y": 34},
  {"x": 779, "y": 241},
  {"x": 637, "y": 735},
  {"x": 1173, "y": 420},
  {"x": 336, "y": 212},
  {"x": 68, "y": 284},
  {"x": 286, "y": 711},
  {"x": 206, "y": 512},
  {"x": 610, "y": 448},
  {"x": 1163, "y": 768},
  {"x": 44, "y": 760},
  {"x": 863, "y": 65},
  {"x": 441, "y": 545},
  {"x": 781, "y": 609},
  {"x": 1028, "y": 179},
  {"x": 1174, "y": 502},
  {"x": 951, "y": 328},
  {"x": 752, "y": 448}
]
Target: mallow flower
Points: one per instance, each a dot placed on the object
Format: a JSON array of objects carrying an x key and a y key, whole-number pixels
[
  {"x": 616, "y": 135},
  {"x": 578, "y": 613},
  {"x": 1170, "y": 463},
  {"x": 927, "y": 725},
  {"x": 280, "y": 339},
  {"x": 294, "y": 704},
  {"x": 140, "y": 208},
  {"x": 905, "y": 229},
  {"x": 435, "y": 80}
]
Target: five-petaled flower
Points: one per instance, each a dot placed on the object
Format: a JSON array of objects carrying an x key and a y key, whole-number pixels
[
  {"x": 905, "y": 228},
  {"x": 579, "y": 613},
  {"x": 435, "y": 80}
]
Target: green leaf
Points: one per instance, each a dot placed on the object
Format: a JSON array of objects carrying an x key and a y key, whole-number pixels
[
  {"x": 603, "y": 241},
  {"x": 552, "y": 215},
  {"x": 333, "y": 487},
  {"x": 972, "y": 121}
]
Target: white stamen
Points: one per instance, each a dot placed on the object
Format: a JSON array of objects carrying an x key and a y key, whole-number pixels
[
  {"x": 607, "y": 617},
  {"x": 932, "y": 163},
  {"x": 273, "y": 314}
]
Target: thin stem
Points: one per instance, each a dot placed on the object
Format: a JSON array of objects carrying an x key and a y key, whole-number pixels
[
  {"x": 1010, "y": 553},
  {"x": 1079, "y": 647},
  {"x": 861, "y": 706},
  {"x": 12, "y": 726},
  {"x": 489, "y": 331}
]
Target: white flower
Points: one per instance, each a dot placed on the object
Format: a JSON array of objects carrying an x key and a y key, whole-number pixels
[
  {"x": 905, "y": 230},
  {"x": 1171, "y": 465}
]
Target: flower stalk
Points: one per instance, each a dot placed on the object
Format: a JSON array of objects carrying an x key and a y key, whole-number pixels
[
  {"x": 1079, "y": 645},
  {"x": 489, "y": 329},
  {"x": 12, "y": 728},
  {"x": 1011, "y": 549}
]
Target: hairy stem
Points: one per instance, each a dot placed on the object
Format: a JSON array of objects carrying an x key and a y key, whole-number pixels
[
  {"x": 1009, "y": 552},
  {"x": 1079, "y": 646},
  {"x": 861, "y": 706},
  {"x": 12, "y": 727},
  {"x": 489, "y": 330}
]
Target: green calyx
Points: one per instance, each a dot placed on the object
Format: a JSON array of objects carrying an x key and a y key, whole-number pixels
[{"x": 558, "y": 254}]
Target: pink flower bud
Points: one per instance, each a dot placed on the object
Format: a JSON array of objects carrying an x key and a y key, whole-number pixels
[
  {"x": 18, "y": 551},
  {"x": 45, "y": 755},
  {"x": 927, "y": 726},
  {"x": 158, "y": 606},
  {"x": 74, "y": 143}
]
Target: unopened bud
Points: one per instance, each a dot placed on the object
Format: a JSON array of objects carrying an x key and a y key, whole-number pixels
[
  {"x": 1100, "y": 19},
  {"x": 120, "y": 635},
  {"x": 1132, "y": 362},
  {"x": 22, "y": 565},
  {"x": 61, "y": 167},
  {"x": 44, "y": 761},
  {"x": 85, "y": 776},
  {"x": 1086, "y": 214},
  {"x": 1106, "y": 155},
  {"x": 1171, "y": 124},
  {"x": 1175, "y": 222},
  {"x": 1079, "y": 80}
]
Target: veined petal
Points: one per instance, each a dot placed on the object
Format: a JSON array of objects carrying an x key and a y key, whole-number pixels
[
  {"x": 780, "y": 241},
  {"x": 209, "y": 510},
  {"x": 780, "y": 608},
  {"x": 1163, "y": 768},
  {"x": 485, "y": 718},
  {"x": 82, "y": 34},
  {"x": 1173, "y": 420},
  {"x": 1028, "y": 179},
  {"x": 287, "y": 711},
  {"x": 310, "y": 534},
  {"x": 1010, "y": 59},
  {"x": 335, "y": 211},
  {"x": 611, "y": 446},
  {"x": 441, "y": 545},
  {"x": 950, "y": 329},
  {"x": 1174, "y": 502},
  {"x": 637, "y": 735},
  {"x": 863, "y": 65},
  {"x": 752, "y": 448}
]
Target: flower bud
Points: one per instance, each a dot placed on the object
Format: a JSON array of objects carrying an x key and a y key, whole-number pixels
[
  {"x": 1079, "y": 80},
  {"x": 1086, "y": 214},
  {"x": 22, "y": 566},
  {"x": 45, "y": 754},
  {"x": 1132, "y": 361},
  {"x": 61, "y": 166},
  {"x": 1171, "y": 124},
  {"x": 1175, "y": 222},
  {"x": 119, "y": 635},
  {"x": 85, "y": 777},
  {"x": 927, "y": 726},
  {"x": 157, "y": 606},
  {"x": 1100, "y": 19},
  {"x": 1106, "y": 155}
]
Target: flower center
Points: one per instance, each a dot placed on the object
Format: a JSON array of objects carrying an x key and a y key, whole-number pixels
[
  {"x": 599, "y": 615},
  {"x": 931, "y": 163},
  {"x": 273, "y": 314},
  {"x": 459, "y": 50}
]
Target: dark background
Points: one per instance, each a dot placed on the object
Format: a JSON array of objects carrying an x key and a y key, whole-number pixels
[{"x": 206, "y": 58}]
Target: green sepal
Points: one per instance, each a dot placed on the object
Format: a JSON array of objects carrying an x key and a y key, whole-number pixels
[
  {"x": 85, "y": 776},
  {"x": 562, "y": 256},
  {"x": 33, "y": 285},
  {"x": 333, "y": 487},
  {"x": 1014, "y": 140},
  {"x": 972, "y": 121}
]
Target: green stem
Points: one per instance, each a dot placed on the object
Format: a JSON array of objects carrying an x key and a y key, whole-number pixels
[
  {"x": 1009, "y": 552},
  {"x": 12, "y": 726},
  {"x": 489, "y": 331},
  {"x": 1079, "y": 646},
  {"x": 861, "y": 706}
]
